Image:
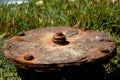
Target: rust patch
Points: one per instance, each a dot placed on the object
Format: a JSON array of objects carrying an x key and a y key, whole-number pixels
[{"x": 17, "y": 38}]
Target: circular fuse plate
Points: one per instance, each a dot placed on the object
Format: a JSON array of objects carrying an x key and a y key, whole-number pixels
[{"x": 35, "y": 49}]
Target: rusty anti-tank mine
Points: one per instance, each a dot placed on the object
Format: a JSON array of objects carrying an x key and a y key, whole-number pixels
[{"x": 53, "y": 48}]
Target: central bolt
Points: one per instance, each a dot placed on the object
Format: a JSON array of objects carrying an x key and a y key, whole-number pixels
[{"x": 59, "y": 38}]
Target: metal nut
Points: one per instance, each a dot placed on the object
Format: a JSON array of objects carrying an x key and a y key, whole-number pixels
[
  {"x": 21, "y": 34},
  {"x": 28, "y": 57},
  {"x": 59, "y": 38},
  {"x": 103, "y": 50}
]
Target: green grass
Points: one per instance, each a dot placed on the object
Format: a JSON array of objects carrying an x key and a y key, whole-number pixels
[
  {"x": 102, "y": 15},
  {"x": 7, "y": 71}
]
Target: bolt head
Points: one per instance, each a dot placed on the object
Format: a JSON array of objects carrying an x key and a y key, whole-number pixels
[
  {"x": 103, "y": 50},
  {"x": 59, "y": 38},
  {"x": 28, "y": 57},
  {"x": 21, "y": 34}
]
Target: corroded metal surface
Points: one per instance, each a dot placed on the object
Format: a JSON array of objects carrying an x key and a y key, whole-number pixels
[{"x": 36, "y": 50}]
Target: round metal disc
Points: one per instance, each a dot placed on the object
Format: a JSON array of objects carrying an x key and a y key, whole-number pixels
[{"x": 35, "y": 48}]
